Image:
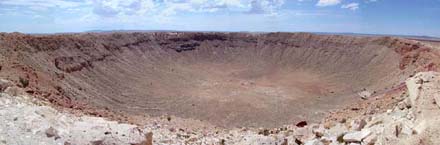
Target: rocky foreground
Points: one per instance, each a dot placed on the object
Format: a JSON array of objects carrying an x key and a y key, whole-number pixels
[{"x": 414, "y": 120}]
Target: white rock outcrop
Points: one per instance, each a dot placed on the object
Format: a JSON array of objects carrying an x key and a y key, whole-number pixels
[{"x": 26, "y": 123}]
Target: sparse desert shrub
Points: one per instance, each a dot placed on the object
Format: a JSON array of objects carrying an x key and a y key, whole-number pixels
[{"x": 24, "y": 82}]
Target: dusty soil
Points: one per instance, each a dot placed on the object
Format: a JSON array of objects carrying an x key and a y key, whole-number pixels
[{"x": 226, "y": 79}]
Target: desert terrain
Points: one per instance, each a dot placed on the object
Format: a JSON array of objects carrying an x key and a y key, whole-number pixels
[{"x": 257, "y": 86}]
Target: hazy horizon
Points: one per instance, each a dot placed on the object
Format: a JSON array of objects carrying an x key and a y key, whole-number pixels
[{"x": 382, "y": 17}]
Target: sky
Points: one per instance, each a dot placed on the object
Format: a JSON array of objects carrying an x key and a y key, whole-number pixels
[{"x": 401, "y": 17}]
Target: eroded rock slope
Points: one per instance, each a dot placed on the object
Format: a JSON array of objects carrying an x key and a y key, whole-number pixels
[{"x": 227, "y": 79}]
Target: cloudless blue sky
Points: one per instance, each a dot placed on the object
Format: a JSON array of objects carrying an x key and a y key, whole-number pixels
[{"x": 407, "y": 17}]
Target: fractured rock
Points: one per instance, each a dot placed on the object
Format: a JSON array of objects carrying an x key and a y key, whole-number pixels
[
  {"x": 52, "y": 132},
  {"x": 370, "y": 140},
  {"x": 4, "y": 84},
  {"x": 357, "y": 136},
  {"x": 437, "y": 99},
  {"x": 401, "y": 105},
  {"x": 337, "y": 130},
  {"x": 313, "y": 142},
  {"x": 97, "y": 142},
  {"x": 358, "y": 124},
  {"x": 365, "y": 94},
  {"x": 329, "y": 140},
  {"x": 303, "y": 134},
  {"x": 318, "y": 130},
  {"x": 414, "y": 84},
  {"x": 402, "y": 128},
  {"x": 421, "y": 127}
]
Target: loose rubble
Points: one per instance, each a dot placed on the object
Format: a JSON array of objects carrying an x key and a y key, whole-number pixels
[{"x": 414, "y": 120}]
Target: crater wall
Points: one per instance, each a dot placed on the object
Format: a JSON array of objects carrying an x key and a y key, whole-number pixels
[{"x": 228, "y": 79}]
